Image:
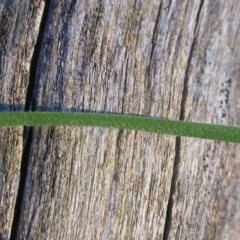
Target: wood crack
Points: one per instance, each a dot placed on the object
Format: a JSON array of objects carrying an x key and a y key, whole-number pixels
[
  {"x": 30, "y": 105},
  {"x": 168, "y": 220},
  {"x": 28, "y": 131}
]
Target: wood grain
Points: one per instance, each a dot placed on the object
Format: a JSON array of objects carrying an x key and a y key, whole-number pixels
[
  {"x": 19, "y": 25},
  {"x": 206, "y": 199},
  {"x": 99, "y": 183},
  {"x": 176, "y": 60}
]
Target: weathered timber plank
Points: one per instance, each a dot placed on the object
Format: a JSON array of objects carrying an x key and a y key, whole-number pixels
[
  {"x": 19, "y": 23},
  {"x": 207, "y": 196},
  {"x": 135, "y": 57},
  {"x": 125, "y": 57}
]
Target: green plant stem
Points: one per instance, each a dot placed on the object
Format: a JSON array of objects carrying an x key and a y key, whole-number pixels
[{"x": 160, "y": 126}]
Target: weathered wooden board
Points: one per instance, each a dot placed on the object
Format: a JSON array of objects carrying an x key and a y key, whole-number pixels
[
  {"x": 171, "y": 59},
  {"x": 100, "y": 183},
  {"x": 19, "y": 25},
  {"x": 207, "y": 195}
]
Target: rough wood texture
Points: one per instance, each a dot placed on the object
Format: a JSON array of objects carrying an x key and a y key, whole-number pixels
[
  {"x": 207, "y": 196},
  {"x": 19, "y": 25},
  {"x": 171, "y": 59}
]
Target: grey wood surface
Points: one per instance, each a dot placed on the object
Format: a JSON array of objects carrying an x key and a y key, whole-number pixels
[
  {"x": 19, "y": 26},
  {"x": 170, "y": 59}
]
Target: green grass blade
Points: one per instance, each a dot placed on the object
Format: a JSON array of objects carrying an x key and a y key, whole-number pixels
[{"x": 160, "y": 126}]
